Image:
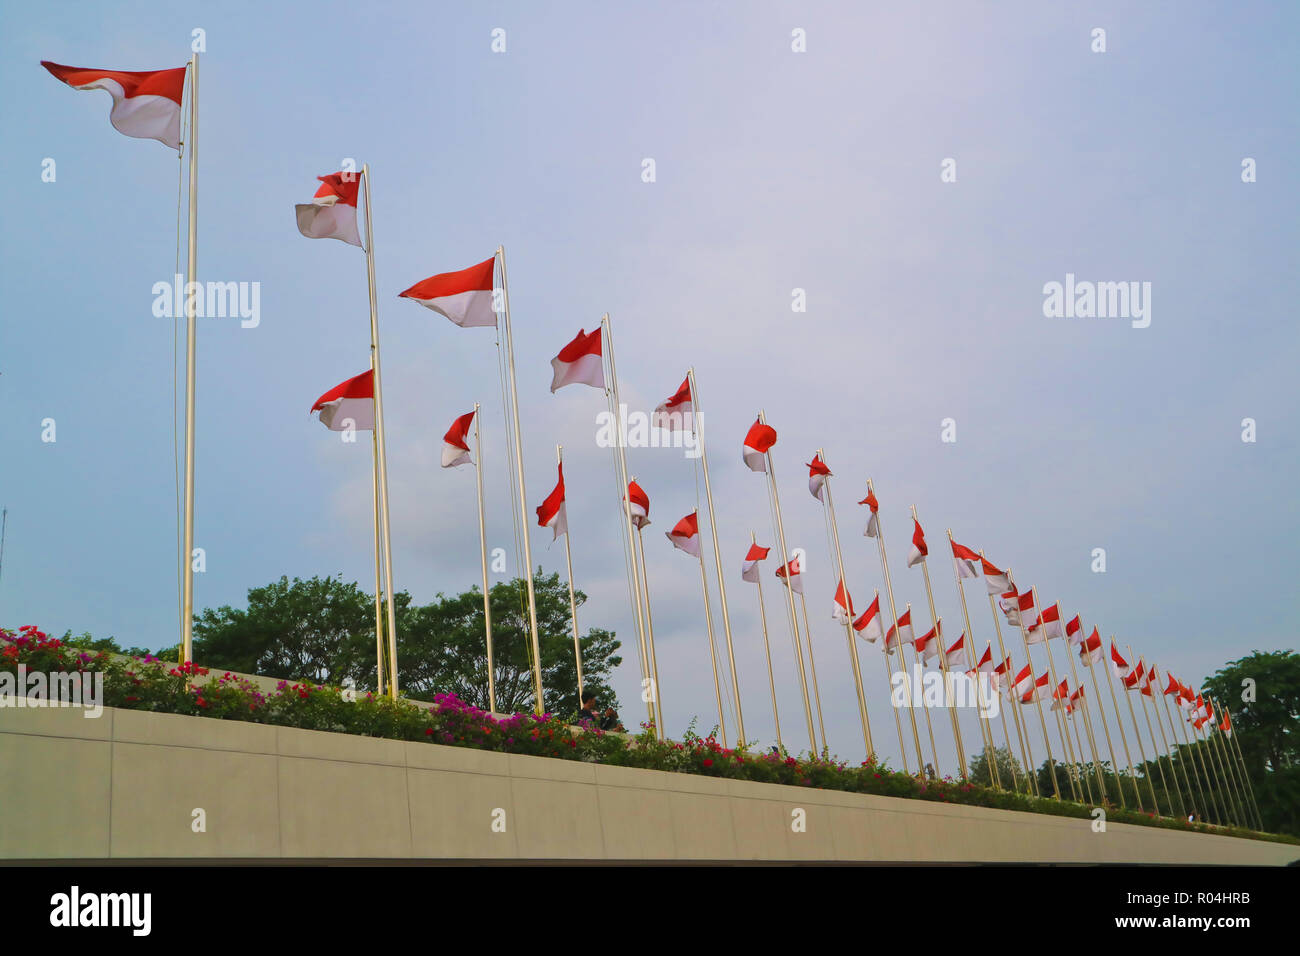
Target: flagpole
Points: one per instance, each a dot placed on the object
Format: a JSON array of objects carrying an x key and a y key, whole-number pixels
[
  {"x": 620, "y": 460},
  {"x": 1078, "y": 744},
  {"x": 1189, "y": 759},
  {"x": 713, "y": 653},
  {"x": 1151, "y": 788},
  {"x": 380, "y": 668},
  {"x": 482, "y": 542},
  {"x": 1230, "y": 799},
  {"x": 1212, "y": 778},
  {"x": 573, "y": 604},
  {"x": 789, "y": 588},
  {"x": 902, "y": 661},
  {"x": 1087, "y": 719},
  {"x": 1146, "y": 715},
  {"x": 1214, "y": 802},
  {"x": 943, "y": 666},
  {"x": 1173, "y": 750},
  {"x": 1182, "y": 806},
  {"x": 898, "y": 721},
  {"x": 986, "y": 731},
  {"x": 191, "y": 267},
  {"x": 1033, "y": 688},
  {"x": 767, "y": 647},
  {"x": 1071, "y": 773},
  {"x": 1238, "y": 792},
  {"x": 523, "y": 494},
  {"x": 696, "y": 417},
  {"x": 1245, "y": 775},
  {"x": 1021, "y": 732},
  {"x": 829, "y": 514},
  {"x": 381, "y": 438},
  {"x": 812, "y": 664},
  {"x": 1110, "y": 747},
  {"x": 653, "y": 662}
]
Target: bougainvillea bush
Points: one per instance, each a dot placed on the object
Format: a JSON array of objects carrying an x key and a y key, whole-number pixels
[{"x": 146, "y": 683}]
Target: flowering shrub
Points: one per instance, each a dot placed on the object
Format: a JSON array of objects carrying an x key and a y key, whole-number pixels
[{"x": 146, "y": 683}]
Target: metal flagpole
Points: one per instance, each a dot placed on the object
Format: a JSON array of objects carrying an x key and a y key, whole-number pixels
[
  {"x": 994, "y": 773},
  {"x": 482, "y": 541},
  {"x": 1021, "y": 732},
  {"x": 713, "y": 654},
  {"x": 902, "y": 662},
  {"x": 1071, "y": 773},
  {"x": 1173, "y": 752},
  {"x": 1087, "y": 719},
  {"x": 573, "y": 604},
  {"x": 393, "y": 686},
  {"x": 1182, "y": 807},
  {"x": 1238, "y": 791},
  {"x": 620, "y": 460},
  {"x": 1151, "y": 787},
  {"x": 1216, "y": 799},
  {"x": 1078, "y": 742},
  {"x": 767, "y": 648},
  {"x": 812, "y": 664},
  {"x": 829, "y": 515},
  {"x": 191, "y": 331},
  {"x": 1229, "y": 800},
  {"x": 1155, "y": 747},
  {"x": 1101, "y": 710},
  {"x": 1245, "y": 775},
  {"x": 650, "y": 630},
  {"x": 789, "y": 588},
  {"x": 696, "y": 417},
  {"x": 1033, "y": 689},
  {"x": 943, "y": 667},
  {"x": 1187, "y": 759},
  {"x": 380, "y": 668}
]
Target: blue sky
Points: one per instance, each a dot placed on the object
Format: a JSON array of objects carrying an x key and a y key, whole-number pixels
[{"x": 775, "y": 170}]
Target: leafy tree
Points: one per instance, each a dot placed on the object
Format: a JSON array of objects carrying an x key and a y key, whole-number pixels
[{"x": 980, "y": 772}]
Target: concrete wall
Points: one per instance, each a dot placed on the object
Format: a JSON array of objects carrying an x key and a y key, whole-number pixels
[{"x": 124, "y": 786}]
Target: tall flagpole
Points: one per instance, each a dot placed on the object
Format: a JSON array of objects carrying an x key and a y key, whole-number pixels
[
  {"x": 1033, "y": 689},
  {"x": 1213, "y": 801},
  {"x": 1151, "y": 787},
  {"x": 902, "y": 661},
  {"x": 1180, "y": 764},
  {"x": 1119, "y": 722},
  {"x": 1245, "y": 775},
  {"x": 1220, "y": 798},
  {"x": 1178, "y": 790},
  {"x": 994, "y": 773},
  {"x": 1230, "y": 799},
  {"x": 1188, "y": 759},
  {"x": 1110, "y": 747},
  {"x": 573, "y": 604},
  {"x": 696, "y": 417},
  {"x": 812, "y": 664},
  {"x": 482, "y": 542},
  {"x": 381, "y": 433},
  {"x": 523, "y": 494},
  {"x": 380, "y": 668},
  {"x": 191, "y": 267},
  {"x": 713, "y": 653},
  {"x": 829, "y": 514},
  {"x": 767, "y": 648},
  {"x": 898, "y": 721},
  {"x": 1087, "y": 719},
  {"x": 789, "y": 588},
  {"x": 1155, "y": 748},
  {"x": 1022, "y": 732},
  {"x": 620, "y": 459},
  {"x": 1238, "y": 795},
  {"x": 947, "y": 684},
  {"x": 1067, "y": 747},
  {"x": 653, "y": 661}
]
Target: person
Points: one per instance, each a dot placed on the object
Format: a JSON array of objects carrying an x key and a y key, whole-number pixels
[{"x": 591, "y": 713}]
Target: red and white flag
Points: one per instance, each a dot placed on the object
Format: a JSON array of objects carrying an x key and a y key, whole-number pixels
[
  {"x": 901, "y": 633},
  {"x": 1046, "y": 625},
  {"x": 1074, "y": 630},
  {"x": 1147, "y": 690},
  {"x": 929, "y": 643},
  {"x": 146, "y": 104},
  {"x": 1061, "y": 696},
  {"x": 1090, "y": 650},
  {"x": 795, "y": 581},
  {"x": 757, "y": 441},
  {"x": 551, "y": 513},
  {"x": 997, "y": 582},
  {"x": 349, "y": 405},
  {"x": 955, "y": 656},
  {"x": 638, "y": 503},
  {"x": 1174, "y": 687},
  {"x": 1134, "y": 677},
  {"x": 1024, "y": 680},
  {"x": 455, "y": 444},
  {"x": 919, "y": 550},
  {"x": 465, "y": 296},
  {"x": 685, "y": 535},
  {"x": 579, "y": 362},
  {"x": 842, "y": 611},
  {"x": 966, "y": 560},
  {"x": 749, "y": 570},
  {"x": 1117, "y": 663},
  {"x": 1035, "y": 692},
  {"x": 817, "y": 475},
  {"x": 868, "y": 625},
  {"x": 985, "y": 664},
  {"x": 677, "y": 413},
  {"x": 873, "y": 521},
  {"x": 1226, "y": 726},
  {"x": 332, "y": 212},
  {"x": 1000, "y": 674},
  {"x": 1017, "y": 606}
]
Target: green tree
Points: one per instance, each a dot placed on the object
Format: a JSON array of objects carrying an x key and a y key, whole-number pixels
[{"x": 1006, "y": 762}]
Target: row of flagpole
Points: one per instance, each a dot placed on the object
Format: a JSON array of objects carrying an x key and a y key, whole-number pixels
[{"x": 1213, "y": 769}]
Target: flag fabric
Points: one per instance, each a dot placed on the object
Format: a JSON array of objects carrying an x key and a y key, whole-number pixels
[
  {"x": 966, "y": 560},
  {"x": 929, "y": 643},
  {"x": 1226, "y": 726},
  {"x": 579, "y": 362},
  {"x": 919, "y": 550},
  {"x": 868, "y": 625},
  {"x": 638, "y": 503},
  {"x": 685, "y": 535},
  {"x": 1134, "y": 676},
  {"x": 332, "y": 212},
  {"x": 1036, "y": 691},
  {"x": 873, "y": 523},
  {"x": 678, "y": 412},
  {"x": 551, "y": 513},
  {"x": 1061, "y": 696},
  {"x": 1146, "y": 684},
  {"x": 1117, "y": 663},
  {"x": 954, "y": 657},
  {"x": 901, "y": 632},
  {"x": 146, "y": 104},
  {"x": 842, "y": 610},
  {"x": 1090, "y": 650},
  {"x": 757, "y": 441},
  {"x": 1024, "y": 680},
  {"x": 1016, "y": 606},
  {"x": 465, "y": 296},
  {"x": 1046, "y": 625},
  {"x": 985, "y": 664},
  {"x": 795, "y": 579},
  {"x": 749, "y": 570},
  {"x": 1074, "y": 630},
  {"x": 817, "y": 475},
  {"x": 350, "y": 404},
  {"x": 455, "y": 444},
  {"x": 997, "y": 581},
  {"x": 1000, "y": 674}
]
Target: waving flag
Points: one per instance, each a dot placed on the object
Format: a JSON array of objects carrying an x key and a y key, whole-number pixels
[
  {"x": 638, "y": 503},
  {"x": 579, "y": 362},
  {"x": 997, "y": 582},
  {"x": 1090, "y": 650},
  {"x": 966, "y": 560},
  {"x": 1017, "y": 606},
  {"x": 817, "y": 475},
  {"x": 1024, "y": 680},
  {"x": 842, "y": 610},
  {"x": 349, "y": 405},
  {"x": 1226, "y": 726},
  {"x": 1061, "y": 696},
  {"x": 146, "y": 105},
  {"x": 955, "y": 656},
  {"x": 749, "y": 570},
  {"x": 678, "y": 412},
  {"x": 1173, "y": 687},
  {"x": 1117, "y": 663},
  {"x": 1036, "y": 691},
  {"x": 985, "y": 664},
  {"x": 868, "y": 625},
  {"x": 685, "y": 535},
  {"x": 873, "y": 522},
  {"x": 551, "y": 513},
  {"x": 1047, "y": 624},
  {"x": 1000, "y": 674},
  {"x": 757, "y": 442},
  {"x": 929, "y": 643},
  {"x": 900, "y": 633},
  {"x": 465, "y": 297},
  {"x": 919, "y": 550},
  {"x": 332, "y": 212},
  {"x": 1074, "y": 630},
  {"x": 795, "y": 574},
  {"x": 1132, "y": 679},
  {"x": 455, "y": 444}
]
